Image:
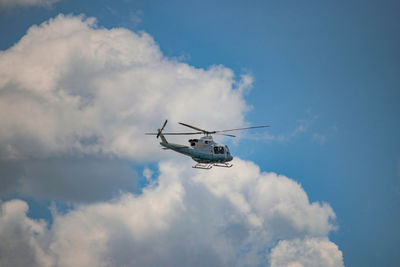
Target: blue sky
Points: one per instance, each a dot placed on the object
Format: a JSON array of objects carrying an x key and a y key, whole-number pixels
[{"x": 326, "y": 78}]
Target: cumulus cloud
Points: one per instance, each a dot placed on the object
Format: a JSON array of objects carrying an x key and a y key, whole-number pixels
[
  {"x": 73, "y": 180},
  {"x": 312, "y": 252},
  {"x": 186, "y": 217},
  {"x": 23, "y": 3},
  {"x": 21, "y": 237},
  {"x": 73, "y": 109},
  {"x": 84, "y": 96},
  {"x": 77, "y": 88}
]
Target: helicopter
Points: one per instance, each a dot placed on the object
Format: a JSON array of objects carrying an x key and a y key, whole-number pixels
[{"x": 204, "y": 150}]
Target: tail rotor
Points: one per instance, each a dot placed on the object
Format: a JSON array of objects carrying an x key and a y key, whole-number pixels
[{"x": 162, "y": 128}]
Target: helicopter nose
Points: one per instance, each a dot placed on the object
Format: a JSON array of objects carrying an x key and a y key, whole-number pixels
[{"x": 230, "y": 157}]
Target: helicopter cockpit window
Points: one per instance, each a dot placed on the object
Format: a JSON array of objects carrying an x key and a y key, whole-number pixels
[{"x": 218, "y": 150}]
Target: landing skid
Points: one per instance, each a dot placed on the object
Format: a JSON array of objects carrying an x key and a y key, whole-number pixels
[
  {"x": 225, "y": 165},
  {"x": 204, "y": 166},
  {"x": 207, "y": 166}
]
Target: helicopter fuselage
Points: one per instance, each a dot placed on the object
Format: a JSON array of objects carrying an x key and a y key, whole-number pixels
[{"x": 203, "y": 150}]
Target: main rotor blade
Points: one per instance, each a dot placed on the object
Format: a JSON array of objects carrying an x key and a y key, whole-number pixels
[
  {"x": 195, "y": 128},
  {"x": 175, "y": 133},
  {"x": 237, "y": 129},
  {"x": 231, "y": 135}
]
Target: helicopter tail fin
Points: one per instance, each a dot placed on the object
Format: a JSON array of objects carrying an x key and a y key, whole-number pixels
[{"x": 163, "y": 138}]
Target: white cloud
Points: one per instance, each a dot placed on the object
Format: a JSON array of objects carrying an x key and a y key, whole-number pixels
[
  {"x": 310, "y": 252},
  {"x": 74, "y": 88},
  {"x": 77, "y": 92},
  {"x": 72, "y": 180},
  {"x": 21, "y": 237},
  {"x": 269, "y": 199},
  {"x": 147, "y": 173},
  {"x": 77, "y": 89},
  {"x": 13, "y": 3},
  {"x": 188, "y": 217}
]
